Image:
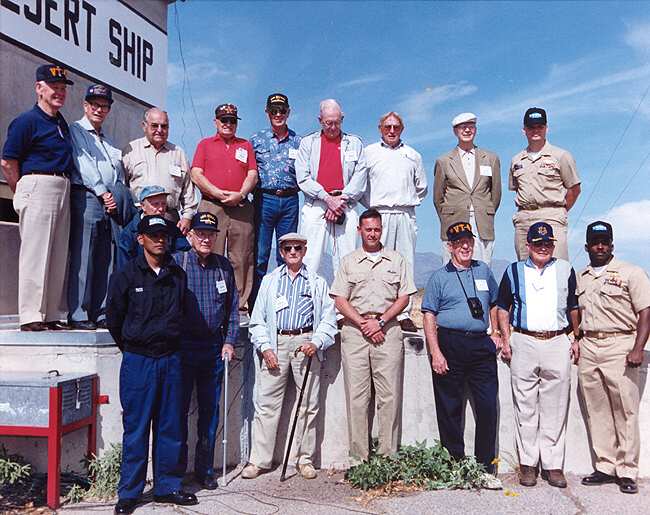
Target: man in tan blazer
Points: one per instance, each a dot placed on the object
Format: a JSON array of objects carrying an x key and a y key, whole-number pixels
[{"x": 467, "y": 188}]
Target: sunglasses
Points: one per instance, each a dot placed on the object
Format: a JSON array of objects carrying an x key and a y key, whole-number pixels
[
  {"x": 228, "y": 120},
  {"x": 540, "y": 244},
  {"x": 275, "y": 111},
  {"x": 288, "y": 248},
  {"x": 161, "y": 126},
  {"x": 393, "y": 127}
]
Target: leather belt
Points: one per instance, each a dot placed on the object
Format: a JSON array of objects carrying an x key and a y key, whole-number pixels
[
  {"x": 370, "y": 316},
  {"x": 539, "y": 206},
  {"x": 460, "y": 332},
  {"x": 540, "y": 335},
  {"x": 57, "y": 174},
  {"x": 288, "y": 192},
  {"x": 601, "y": 335},
  {"x": 295, "y": 332},
  {"x": 335, "y": 193}
]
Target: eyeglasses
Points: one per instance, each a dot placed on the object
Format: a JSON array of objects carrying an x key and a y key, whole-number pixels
[
  {"x": 545, "y": 244},
  {"x": 331, "y": 123},
  {"x": 466, "y": 127},
  {"x": 288, "y": 248},
  {"x": 277, "y": 111},
  {"x": 97, "y": 107},
  {"x": 161, "y": 126},
  {"x": 391, "y": 127},
  {"x": 228, "y": 120}
]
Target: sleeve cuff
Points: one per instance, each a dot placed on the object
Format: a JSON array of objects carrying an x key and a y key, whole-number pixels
[
  {"x": 100, "y": 189},
  {"x": 265, "y": 346}
]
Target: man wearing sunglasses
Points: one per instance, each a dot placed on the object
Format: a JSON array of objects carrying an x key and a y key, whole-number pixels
[
  {"x": 155, "y": 160},
  {"x": 276, "y": 195},
  {"x": 293, "y": 321},
  {"x": 225, "y": 170},
  {"x": 537, "y": 297}
]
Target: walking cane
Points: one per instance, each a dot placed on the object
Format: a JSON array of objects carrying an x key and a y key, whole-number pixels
[
  {"x": 225, "y": 420},
  {"x": 295, "y": 420}
]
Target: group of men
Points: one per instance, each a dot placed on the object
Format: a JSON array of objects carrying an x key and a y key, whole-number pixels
[{"x": 192, "y": 261}]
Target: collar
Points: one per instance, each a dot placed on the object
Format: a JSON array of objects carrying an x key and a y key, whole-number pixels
[
  {"x": 85, "y": 123},
  {"x": 325, "y": 139},
  {"x": 284, "y": 270},
  {"x": 46, "y": 116},
  {"x": 384, "y": 145},
  {"x": 361, "y": 255},
  {"x": 613, "y": 266},
  {"x": 147, "y": 144},
  {"x": 290, "y": 134},
  {"x": 463, "y": 152},
  {"x": 211, "y": 261},
  {"x": 235, "y": 139},
  {"x": 529, "y": 263},
  {"x": 167, "y": 263},
  {"x": 545, "y": 151},
  {"x": 450, "y": 267}
]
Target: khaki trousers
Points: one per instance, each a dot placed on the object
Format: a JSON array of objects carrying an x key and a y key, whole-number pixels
[
  {"x": 43, "y": 206},
  {"x": 556, "y": 217},
  {"x": 236, "y": 237},
  {"x": 365, "y": 363},
  {"x": 611, "y": 393},
  {"x": 540, "y": 373},
  {"x": 270, "y": 388}
]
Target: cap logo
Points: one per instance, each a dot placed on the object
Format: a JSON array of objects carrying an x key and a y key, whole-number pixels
[
  {"x": 99, "y": 90},
  {"x": 276, "y": 98},
  {"x": 541, "y": 230},
  {"x": 535, "y": 115},
  {"x": 57, "y": 71},
  {"x": 207, "y": 219},
  {"x": 599, "y": 227},
  {"x": 156, "y": 221},
  {"x": 460, "y": 228}
]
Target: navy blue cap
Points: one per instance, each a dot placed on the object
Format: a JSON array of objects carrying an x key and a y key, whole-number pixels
[
  {"x": 534, "y": 116},
  {"x": 52, "y": 73},
  {"x": 459, "y": 230},
  {"x": 150, "y": 191},
  {"x": 540, "y": 231},
  {"x": 599, "y": 229},
  {"x": 99, "y": 91},
  {"x": 153, "y": 224},
  {"x": 206, "y": 221}
]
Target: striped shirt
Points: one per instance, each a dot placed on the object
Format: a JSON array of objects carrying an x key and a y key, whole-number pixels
[
  {"x": 299, "y": 312},
  {"x": 540, "y": 299}
]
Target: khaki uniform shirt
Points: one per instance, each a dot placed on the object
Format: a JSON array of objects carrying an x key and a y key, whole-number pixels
[
  {"x": 543, "y": 181},
  {"x": 610, "y": 302},
  {"x": 167, "y": 167},
  {"x": 372, "y": 287}
]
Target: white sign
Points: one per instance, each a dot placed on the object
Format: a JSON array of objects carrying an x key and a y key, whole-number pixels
[{"x": 103, "y": 39}]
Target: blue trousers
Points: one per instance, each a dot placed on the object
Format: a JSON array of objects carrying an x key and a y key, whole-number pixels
[
  {"x": 203, "y": 368},
  {"x": 272, "y": 213},
  {"x": 90, "y": 256},
  {"x": 151, "y": 395},
  {"x": 471, "y": 362}
]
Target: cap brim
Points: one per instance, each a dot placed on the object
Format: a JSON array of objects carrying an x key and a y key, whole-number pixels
[
  {"x": 462, "y": 235},
  {"x": 536, "y": 240},
  {"x": 52, "y": 81}
]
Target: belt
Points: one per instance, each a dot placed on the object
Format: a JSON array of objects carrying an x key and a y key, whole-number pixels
[
  {"x": 539, "y": 206},
  {"x": 460, "y": 332},
  {"x": 288, "y": 192},
  {"x": 57, "y": 174},
  {"x": 601, "y": 335},
  {"x": 371, "y": 315},
  {"x": 294, "y": 332},
  {"x": 540, "y": 335},
  {"x": 335, "y": 193}
]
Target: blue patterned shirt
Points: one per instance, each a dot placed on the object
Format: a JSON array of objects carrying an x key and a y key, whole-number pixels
[
  {"x": 275, "y": 161},
  {"x": 300, "y": 311},
  {"x": 212, "y": 317}
]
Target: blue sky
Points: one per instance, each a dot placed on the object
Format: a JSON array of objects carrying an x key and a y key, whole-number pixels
[{"x": 586, "y": 63}]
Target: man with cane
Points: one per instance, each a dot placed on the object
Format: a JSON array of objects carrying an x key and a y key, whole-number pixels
[
  {"x": 211, "y": 332},
  {"x": 293, "y": 320}
]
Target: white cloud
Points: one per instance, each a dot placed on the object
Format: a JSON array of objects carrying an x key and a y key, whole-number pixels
[
  {"x": 199, "y": 71},
  {"x": 418, "y": 106},
  {"x": 361, "y": 81},
  {"x": 638, "y": 37},
  {"x": 630, "y": 221}
]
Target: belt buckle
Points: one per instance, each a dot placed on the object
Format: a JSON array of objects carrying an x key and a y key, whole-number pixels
[{"x": 600, "y": 335}]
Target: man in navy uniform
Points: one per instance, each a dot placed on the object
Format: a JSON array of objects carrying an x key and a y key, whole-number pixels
[
  {"x": 212, "y": 329},
  {"x": 144, "y": 315}
]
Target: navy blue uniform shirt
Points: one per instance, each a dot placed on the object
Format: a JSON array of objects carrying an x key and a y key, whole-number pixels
[
  {"x": 39, "y": 142},
  {"x": 144, "y": 311}
]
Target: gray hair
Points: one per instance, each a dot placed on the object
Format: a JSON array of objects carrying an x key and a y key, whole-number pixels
[
  {"x": 329, "y": 104},
  {"x": 151, "y": 111}
]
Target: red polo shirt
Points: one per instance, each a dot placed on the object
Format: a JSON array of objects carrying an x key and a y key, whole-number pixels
[
  {"x": 330, "y": 169},
  {"x": 225, "y": 165}
]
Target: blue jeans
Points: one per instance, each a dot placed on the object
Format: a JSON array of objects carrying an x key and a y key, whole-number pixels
[
  {"x": 272, "y": 213},
  {"x": 203, "y": 368},
  {"x": 150, "y": 393}
]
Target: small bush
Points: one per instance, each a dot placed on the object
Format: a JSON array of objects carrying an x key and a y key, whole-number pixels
[
  {"x": 12, "y": 468},
  {"x": 105, "y": 474}
]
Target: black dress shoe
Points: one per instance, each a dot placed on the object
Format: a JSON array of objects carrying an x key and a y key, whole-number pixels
[
  {"x": 33, "y": 326},
  {"x": 408, "y": 326},
  {"x": 598, "y": 478},
  {"x": 126, "y": 506},
  {"x": 57, "y": 326},
  {"x": 180, "y": 498},
  {"x": 208, "y": 482},
  {"x": 101, "y": 324},
  {"x": 627, "y": 485},
  {"x": 84, "y": 325}
]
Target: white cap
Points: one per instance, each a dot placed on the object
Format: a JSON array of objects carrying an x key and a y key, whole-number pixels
[
  {"x": 463, "y": 118},
  {"x": 292, "y": 236}
]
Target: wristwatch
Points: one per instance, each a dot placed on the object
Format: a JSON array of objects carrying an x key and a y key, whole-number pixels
[{"x": 381, "y": 321}]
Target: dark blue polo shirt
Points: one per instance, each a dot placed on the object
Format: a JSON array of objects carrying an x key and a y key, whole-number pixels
[
  {"x": 39, "y": 142},
  {"x": 444, "y": 296}
]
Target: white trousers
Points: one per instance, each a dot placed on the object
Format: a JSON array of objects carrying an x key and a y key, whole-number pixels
[
  {"x": 325, "y": 237},
  {"x": 540, "y": 373},
  {"x": 482, "y": 248},
  {"x": 399, "y": 232}
]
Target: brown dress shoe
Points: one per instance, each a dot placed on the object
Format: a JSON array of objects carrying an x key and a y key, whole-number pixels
[
  {"x": 57, "y": 325},
  {"x": 33, "y": 326},
  {"x": 554, "y": 477},
  {"x": 527, "y": 475},
  {"x": 408, "y": 326}
]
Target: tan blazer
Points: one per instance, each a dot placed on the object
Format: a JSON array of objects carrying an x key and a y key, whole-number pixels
[{"x": 452, "y": 196}]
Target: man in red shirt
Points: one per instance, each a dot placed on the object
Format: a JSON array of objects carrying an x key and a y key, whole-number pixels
[{"x": 225, "y": 170}]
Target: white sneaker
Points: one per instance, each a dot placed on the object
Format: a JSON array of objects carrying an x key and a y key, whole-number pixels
[
  {"x": 307, "y": 471},
  {"x": 491, "y": 482}
]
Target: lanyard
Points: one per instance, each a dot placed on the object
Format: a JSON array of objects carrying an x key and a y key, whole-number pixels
[{"x": 461, "y": 282}]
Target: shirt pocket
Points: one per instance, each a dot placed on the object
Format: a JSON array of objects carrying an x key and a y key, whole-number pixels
[
  {"x": 612, "y": 291},
  {"x": 391, "y": 280},
  {"x": 139, "y": 301}
]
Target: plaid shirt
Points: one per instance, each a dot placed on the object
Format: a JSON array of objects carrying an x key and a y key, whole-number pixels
[{"x": 210, "y": 314}]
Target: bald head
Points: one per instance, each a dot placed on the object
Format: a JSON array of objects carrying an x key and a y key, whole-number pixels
[
  {"x": 330, "y": 118},
  {"x": 156, "y": 127}
]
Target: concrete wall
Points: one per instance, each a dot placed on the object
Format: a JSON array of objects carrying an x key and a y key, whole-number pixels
[{"x": 418, "y": 408}]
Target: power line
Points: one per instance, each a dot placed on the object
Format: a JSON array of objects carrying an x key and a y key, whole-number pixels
[{"x": 629, "y": 182}]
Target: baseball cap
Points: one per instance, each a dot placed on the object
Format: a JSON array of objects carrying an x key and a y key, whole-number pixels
[
  {"x": 463, "y": 118},
  {"x": 153, "y": 224},
  {"x": 459, "y": 230},
  {"x": 599, "y": 229},
  {"x": 292, "y": 236},
  {"x": 226, "y": 110},
  {"x": 534, "y": 116},
  {"x": 99, "y": 91},
  {"x": 52, "y": 73},
  {"x": 150, "y": 191},
  {"x": 540, "y": 231},
  {"x": 278, "y": 100},
  {"x": 206, "y": 221}
]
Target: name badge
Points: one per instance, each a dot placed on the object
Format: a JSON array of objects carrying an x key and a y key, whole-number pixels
[
  {"x": 221, "y": 286},
  {"x": 281, "y": 302},
  {"x": 241, "y": 154},
  {"x": 175, "y": 171},
  {"x": 350, "y": 155},
  {"x": 481, "y": 285},
  {"x": 139, "y": 290},
  {"x": 486, "y": 171},
  {"x": 293, "y": 153}
]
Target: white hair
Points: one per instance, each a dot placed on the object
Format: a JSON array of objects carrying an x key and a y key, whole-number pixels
[
  {"x": 330, "y": 104},
  {"x": 153, "y": 110}
]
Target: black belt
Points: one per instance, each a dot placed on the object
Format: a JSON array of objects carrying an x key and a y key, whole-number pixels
[
  {"x": 539, "y": 206},
  {"x": 295, "y": 332},
  {"x": 288, "y": 192},
  {"x": 335, "y": 193},
  {"x": 541, "y": 335},
  {"x": 460, "y": 332},
  {"x": 57, "y": 174}
]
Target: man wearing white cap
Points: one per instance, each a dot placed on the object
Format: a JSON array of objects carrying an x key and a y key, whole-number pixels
[{"x": 467, "y": 188}]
